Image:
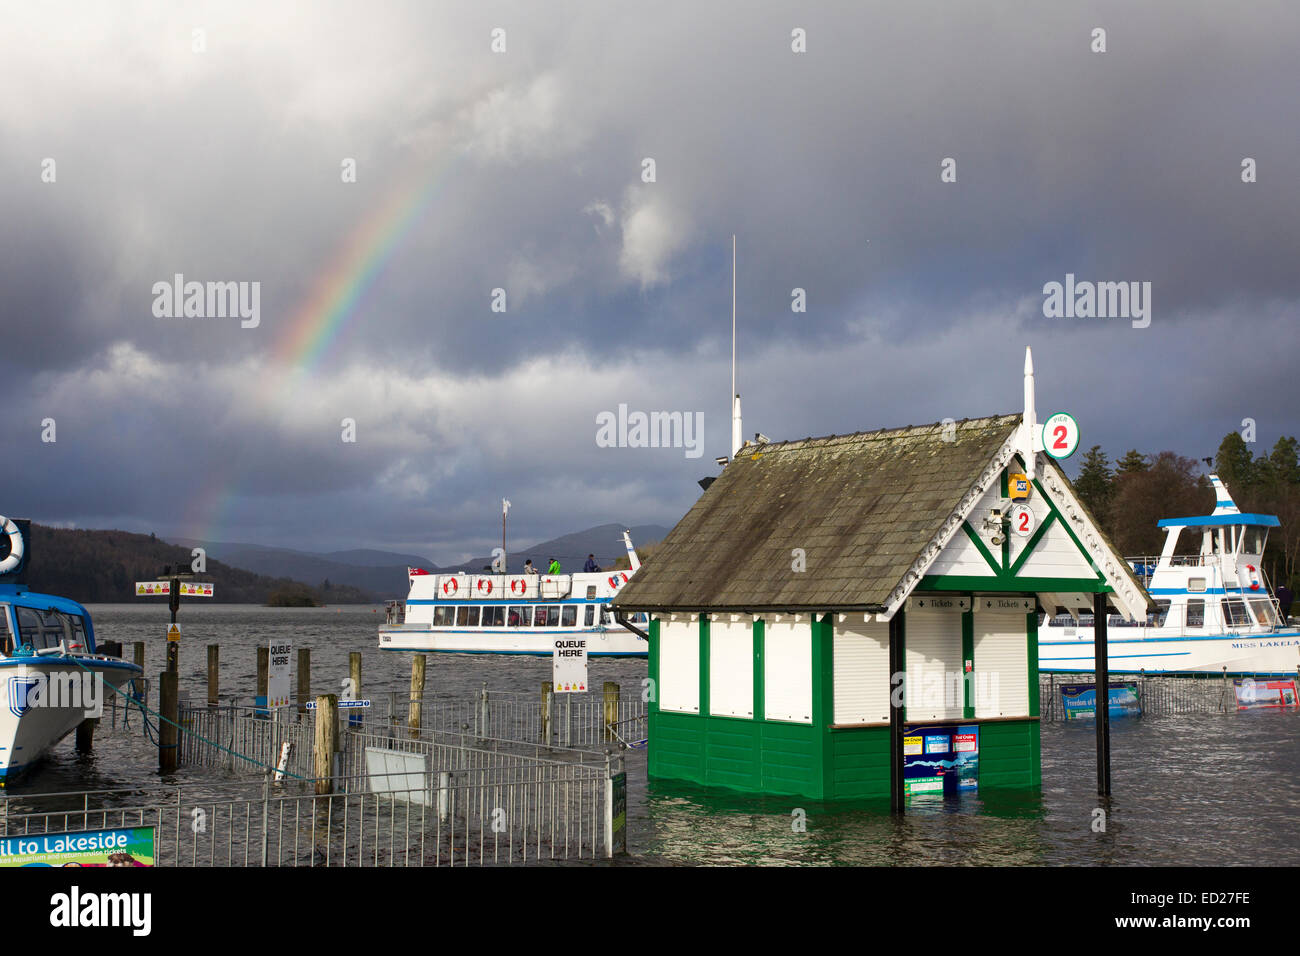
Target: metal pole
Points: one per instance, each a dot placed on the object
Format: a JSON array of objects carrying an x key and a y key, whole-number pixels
[
  {"x": 1099, "y": 623},
  {"x": 897, "y": 672}
]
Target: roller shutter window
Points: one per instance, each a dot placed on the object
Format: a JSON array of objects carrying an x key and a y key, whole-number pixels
[
  {"x": 934, "y": 665},
  {"x": 679, "y": 664},
  {"x": 787, "y": 669},
  {"x": 1001, "y": 685},
  {"x": 861, "y": 671},
  {"x": 731, "y": 667}
]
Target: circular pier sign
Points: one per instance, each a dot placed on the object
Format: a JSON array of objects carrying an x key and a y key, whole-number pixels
[
  {"x": 1022, "y": 520},
  {"x": 1060, "y": 435}
]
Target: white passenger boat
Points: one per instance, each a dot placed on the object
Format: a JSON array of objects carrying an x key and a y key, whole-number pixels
[
  {"x": 513, "y": 613},
  {"x": 51, "y": 676},
  {"x": 1216, "y": 611}
]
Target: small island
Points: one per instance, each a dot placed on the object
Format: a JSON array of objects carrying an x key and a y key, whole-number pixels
[{"x": 292, "y": 597}]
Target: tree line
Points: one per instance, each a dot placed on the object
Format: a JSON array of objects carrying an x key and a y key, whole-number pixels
[{"x": 1130, "y": 495}]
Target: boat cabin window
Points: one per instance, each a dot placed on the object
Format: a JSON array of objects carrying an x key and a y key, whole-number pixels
[
  {"x": 547, "y": 615},
  {"x": 494, "y": 616},
  {"x": 519, "y": 616},
  {"x": 1265, "y": 613},
  {"x": 606, "y": 614},
  {"x": 569, "y": 615},
  {"x": 1196, "y": 613},
  {"x": 1157, "y": 619},
  {"x": 6, "y": 634},
  {"x": 589, "y": 615},
  {"x": 467, "y": 616},
  {"x": 1234, "y": 613},
  {"x": 1254, "y": 543},
  {"x": 45, "y": 629},
  {"x": 443, "y": 615},
  {"x": 591, "y": 591},
  {"x": 1196, "y": 584}
]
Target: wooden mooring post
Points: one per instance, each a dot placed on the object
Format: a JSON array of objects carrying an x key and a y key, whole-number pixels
[
  {"x": 168, "y": 707},
  {"x": 86, "y": 735},
  {"x": 304, "y": 678},
  {"x": 611, "y": 708},
  {"x": 263, "y": 673},
  {"x": 214, "y": 674},
  {"x": 417, "y": 695},
  {"x": 326, "y": 742}
]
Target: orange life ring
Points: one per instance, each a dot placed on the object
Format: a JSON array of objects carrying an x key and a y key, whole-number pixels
[
  {"x": 450, "y": 587},
  {"x": 1254, "y": 578},
  {"x": 482, "y": 589}
]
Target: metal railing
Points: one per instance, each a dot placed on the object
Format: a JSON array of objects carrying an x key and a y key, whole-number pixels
[
  {"x": 241, "y": 739},
  {"x": 1158, "y": 695},
  {"x": 563, "y": 720},
  {"x": 483, "y": 816}
]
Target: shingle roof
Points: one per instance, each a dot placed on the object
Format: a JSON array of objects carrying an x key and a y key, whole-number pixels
[{"x": 861, "y": 506}]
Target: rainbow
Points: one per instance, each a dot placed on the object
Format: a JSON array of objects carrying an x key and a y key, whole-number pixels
[{"x": 323, "y": 315}]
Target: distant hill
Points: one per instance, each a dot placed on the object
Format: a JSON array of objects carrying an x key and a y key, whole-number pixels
[
  {"x": 103, "y": 566},
  {"x": 383, "y": 573},
  {"x": 604, "y": 541}
]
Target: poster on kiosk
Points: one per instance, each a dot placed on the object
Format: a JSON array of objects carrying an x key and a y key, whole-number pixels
[{"x": 941, "y": 760}]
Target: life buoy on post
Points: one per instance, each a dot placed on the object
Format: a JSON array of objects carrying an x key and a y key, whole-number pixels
[
  {"x": 484, "y": 586},
  {"x": 449, "y": 587},
  {"x": 7, "y": 527}
]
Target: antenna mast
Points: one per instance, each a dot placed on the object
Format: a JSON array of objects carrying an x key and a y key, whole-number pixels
[{"x": 734, "y": 400}]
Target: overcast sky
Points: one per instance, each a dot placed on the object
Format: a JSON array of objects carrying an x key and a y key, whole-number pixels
[{"x": 523, "y": 170}]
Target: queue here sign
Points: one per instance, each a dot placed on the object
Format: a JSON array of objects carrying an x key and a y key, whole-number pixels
[{"x": 569, "y": 665}]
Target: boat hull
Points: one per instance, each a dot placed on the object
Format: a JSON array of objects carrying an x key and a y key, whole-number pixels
[
  {"x": 30, "y": 724},
  {"x": 538, "y": 642},
  {"x": 1265, "y": 654}
]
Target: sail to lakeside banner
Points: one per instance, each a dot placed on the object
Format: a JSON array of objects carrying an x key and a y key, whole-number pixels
[{"x": 132, "y": 846}]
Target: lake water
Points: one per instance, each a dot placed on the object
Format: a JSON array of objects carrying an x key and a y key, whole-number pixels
[{"x": 1196, "y": 790}]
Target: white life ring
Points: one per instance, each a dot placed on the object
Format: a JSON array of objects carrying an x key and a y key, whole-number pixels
[
  {"x": 450, "y": 587},
  {"x": 484, "y": 586},
  {"x": 15, "y": 545},
  {"x": 1254, "y": 577}
]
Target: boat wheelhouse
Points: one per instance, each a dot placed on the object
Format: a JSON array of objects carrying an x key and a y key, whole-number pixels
[
  {"x": 512, "y": 613},
  {"x": 51, "y": 675},
  {"x": 1215, "y": 610}
]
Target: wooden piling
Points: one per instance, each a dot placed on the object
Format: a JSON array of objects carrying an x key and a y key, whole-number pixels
[
  {"x": 417, "y": 694},
  {"x": 168, "y": 707},
  {"x": 139, "y": 655},
  {"x": 86, "y": 735},
  {"x": 304, "y": 678},
  {"x": 354, "y": 671},
  {"x": 326, "y": 742},
  {"x": 611, "y": 708},
  {"x": 548, "y": 702},
  {"x": 214, "y": 674}
]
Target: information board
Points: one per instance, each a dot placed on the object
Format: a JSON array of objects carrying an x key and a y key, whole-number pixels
[
  {"x": 941, "y": 759},
  {"x": 130, "y": 846},
  {"x": 1080, "y": 700}
]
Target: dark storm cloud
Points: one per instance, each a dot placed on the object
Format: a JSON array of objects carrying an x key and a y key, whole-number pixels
[{"x": 921, "y": 295}]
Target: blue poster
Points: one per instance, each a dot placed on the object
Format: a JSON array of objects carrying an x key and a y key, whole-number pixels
[
  {"x": 942, "y": 760},
  {"x": 1080, "y": 700}
]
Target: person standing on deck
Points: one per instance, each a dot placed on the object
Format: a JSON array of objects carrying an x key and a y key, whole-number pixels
[
  {"x": 554, "y": 568},
  {"x": 591, "y": 564},
  {"x": 528, "y": 567}
]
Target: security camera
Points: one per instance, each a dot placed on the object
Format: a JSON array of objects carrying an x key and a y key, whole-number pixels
[
  {"x": 722, "y": 461},
  {"x": 761, "y": 439}
]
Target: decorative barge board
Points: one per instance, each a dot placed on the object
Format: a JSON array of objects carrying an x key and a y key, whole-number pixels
[{"x": 773, "y": 600}]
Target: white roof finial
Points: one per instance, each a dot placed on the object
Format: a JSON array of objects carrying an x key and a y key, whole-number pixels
[{"x": 1029, "y": 425}]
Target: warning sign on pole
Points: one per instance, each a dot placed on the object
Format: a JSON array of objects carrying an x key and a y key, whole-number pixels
[
  {"x": 569, "y": 665},
  {"x": 277, "y": 684},
  {"x": 173, "y": 632}
]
